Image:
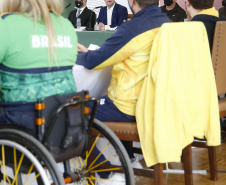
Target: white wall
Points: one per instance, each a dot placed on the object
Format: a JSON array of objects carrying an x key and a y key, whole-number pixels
[{"x": 91, "y": 4}]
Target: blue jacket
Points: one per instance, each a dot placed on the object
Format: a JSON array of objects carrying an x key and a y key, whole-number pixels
[
  {"x": 118, "y": 15},
  {"x": 128, "y": 50}
]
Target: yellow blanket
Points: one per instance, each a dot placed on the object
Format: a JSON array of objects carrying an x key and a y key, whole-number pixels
[{"x": 178, "y": 100}]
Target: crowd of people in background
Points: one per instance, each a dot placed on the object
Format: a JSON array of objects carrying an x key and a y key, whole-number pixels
[{"x": 113, "y": 14}]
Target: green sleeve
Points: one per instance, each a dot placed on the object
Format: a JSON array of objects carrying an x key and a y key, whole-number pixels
[{"x": 3, "y": 39}]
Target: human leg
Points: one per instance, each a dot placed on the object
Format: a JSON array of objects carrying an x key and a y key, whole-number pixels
[{"x": 107, "y": 111}]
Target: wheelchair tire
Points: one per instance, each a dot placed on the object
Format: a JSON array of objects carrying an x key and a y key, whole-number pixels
[
  {"x": 22, "y": 154},
  {"x": 99, "y": 171}
]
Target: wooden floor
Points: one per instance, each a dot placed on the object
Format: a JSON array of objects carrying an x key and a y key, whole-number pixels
[{"x": 200, "y": 162}]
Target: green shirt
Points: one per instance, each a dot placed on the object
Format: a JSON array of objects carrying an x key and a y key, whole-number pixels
[{"x": 24, "y": 45}]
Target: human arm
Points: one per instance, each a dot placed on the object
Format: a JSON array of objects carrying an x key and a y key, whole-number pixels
[
  {"x": 82, "y": 48},
  {"x": 100, "y": 16},
  {"x": 101, "y": 26},
  {"x": 93, "y": 19},
  {"x": 107, "y": 54}
]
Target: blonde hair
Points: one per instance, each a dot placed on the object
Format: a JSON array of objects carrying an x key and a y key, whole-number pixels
[{"x": 38, "y": 10}]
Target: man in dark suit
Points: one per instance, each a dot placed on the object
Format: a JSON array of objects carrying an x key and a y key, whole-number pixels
[
  {"x": 111, "y": 15},
  {"x": 87, "y": 16}
]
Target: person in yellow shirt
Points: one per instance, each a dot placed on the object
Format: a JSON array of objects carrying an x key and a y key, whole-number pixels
[{"x": 128, "y": 50}]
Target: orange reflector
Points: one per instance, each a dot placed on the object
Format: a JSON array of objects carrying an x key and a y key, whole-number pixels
[
  {"x": 40, "y": 121},
  {"x": 86, "y": 110},
  {"x": 87, "y": 96},
  {"x": 39, "y": 106},
  {"x": 67, "y": 180}
]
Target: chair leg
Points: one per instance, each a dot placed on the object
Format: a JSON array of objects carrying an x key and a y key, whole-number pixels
[
  {"x": 212, "y": 162},
  {"x": 158, "y": 174},
  {"x": 187, "y": 159}
]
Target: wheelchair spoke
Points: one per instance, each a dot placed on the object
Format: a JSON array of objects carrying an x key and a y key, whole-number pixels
[
  {"x": 17, "y": 170},
  {"x": 33, "y": 179},
  {"x": 15, "y": 161},
  {"x": 75, "y": 161},
  {"x": 3, "y": 166},
  {"x": 82, "y": 163},
  {"x": 99, "y": 164},
  {"x": 90, "y": 180},
  {"x": 106, "y": 170},
  {"x": 91, "y": 149},
  {"x": 29, "y": 172},
  {"x": 99, "y": 155},
  {"x": 5, "y": 174}
]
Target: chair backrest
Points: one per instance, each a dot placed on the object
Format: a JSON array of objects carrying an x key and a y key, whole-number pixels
[{"x": 219, "y": 56}]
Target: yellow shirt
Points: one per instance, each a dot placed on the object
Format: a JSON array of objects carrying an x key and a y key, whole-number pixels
[{"x": 129, "y": 70}]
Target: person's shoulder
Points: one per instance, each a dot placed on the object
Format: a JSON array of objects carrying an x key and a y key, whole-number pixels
[
  {"x": 88, "y": 10},
  {"x": 4, "y": 16},
  {"x": 103, "y": 8},
  {"x": 120, "y": 6}
]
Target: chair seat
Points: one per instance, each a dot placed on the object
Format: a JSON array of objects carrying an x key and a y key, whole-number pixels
[{"x": 126, "y": 131}]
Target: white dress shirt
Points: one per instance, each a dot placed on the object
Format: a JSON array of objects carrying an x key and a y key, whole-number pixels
[
  {"x": 109, "y": 17},
  {"x": 81, "y": 10}
]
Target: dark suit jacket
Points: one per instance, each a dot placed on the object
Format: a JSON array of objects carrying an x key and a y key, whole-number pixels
[
  {"x": 118, "y": 15},
  {"x": 85, "y": 16}
]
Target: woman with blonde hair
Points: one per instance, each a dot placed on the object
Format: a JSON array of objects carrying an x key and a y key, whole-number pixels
[{"x": 37, "y": 51}]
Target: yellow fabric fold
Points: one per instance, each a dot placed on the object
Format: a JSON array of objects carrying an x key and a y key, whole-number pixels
[
  {"x": 130, "y": 65},
  {"x": 178, "y": 99}
]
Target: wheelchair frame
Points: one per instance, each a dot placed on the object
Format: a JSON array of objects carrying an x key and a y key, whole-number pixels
[{"x": 69, "y": 175}]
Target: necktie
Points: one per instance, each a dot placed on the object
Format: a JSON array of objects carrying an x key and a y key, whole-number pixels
[{"x": 78, "y": 13}]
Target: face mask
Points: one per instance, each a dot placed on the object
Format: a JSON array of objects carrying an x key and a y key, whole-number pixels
[
  {"x": 168, "y": 2},
  {"x": 78, "y": 4}
]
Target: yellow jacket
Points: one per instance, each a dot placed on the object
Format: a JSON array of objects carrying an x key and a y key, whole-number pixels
[{"x": 178, "y": 100}]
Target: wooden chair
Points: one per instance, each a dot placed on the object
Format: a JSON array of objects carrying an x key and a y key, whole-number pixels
[
  {"x": 127, "y": 131},
  {"x": 219, "y": 66}
]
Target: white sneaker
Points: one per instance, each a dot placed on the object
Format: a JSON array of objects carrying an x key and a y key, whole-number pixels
[
  {"x": 135, "y": 163},
  {"x": 113, "y": 179}
]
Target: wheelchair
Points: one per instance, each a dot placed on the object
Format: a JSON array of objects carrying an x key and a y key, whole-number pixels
[{"x": 68, "y": 147}]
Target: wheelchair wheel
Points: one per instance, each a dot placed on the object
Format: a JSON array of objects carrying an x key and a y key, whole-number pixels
[
  {"x": 25, "y": 161},
  {"x": 106, "y": 161}
]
